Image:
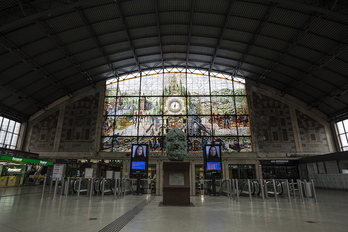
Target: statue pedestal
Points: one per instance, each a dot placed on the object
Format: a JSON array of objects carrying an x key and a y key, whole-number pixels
[{"x": 176, "y": 183}]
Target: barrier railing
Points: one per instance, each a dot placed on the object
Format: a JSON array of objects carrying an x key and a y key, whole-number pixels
[
  {"x": 145, "y": 186},
  {"x": 87, "y": 187},
  {"x": 269, "y": 188},
  {"x": 205, "y": 187},
  {"x": 232, "y": 188}
]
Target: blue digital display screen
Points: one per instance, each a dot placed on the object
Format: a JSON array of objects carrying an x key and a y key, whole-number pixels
[
  {"x": 213, "y": 166},
  {"x": 138, "y": 165}
]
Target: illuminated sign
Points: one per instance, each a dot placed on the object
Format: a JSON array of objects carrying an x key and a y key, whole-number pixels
[
  {"x": 25, "y": 160},
  {"x": 14, "y": 170}
]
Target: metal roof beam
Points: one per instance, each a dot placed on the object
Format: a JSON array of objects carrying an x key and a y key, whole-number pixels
[
  {"x": 47, "y": 10},
  {"x": 262, "y": 23},
  {"x": 12, "y": 114},
  {"x": 64, "y": 7},
  {"x": 20, "y": 95},
  {"x": 32, "y": 64},
  {"x": 323, "y": 61},
  {"x": 127, "y": 34},
  {"x": 321, "y": 6},
  {"x": 338, "y": 91},
  {"x": 332, "y": 95},
  {"x": 45, "y": 28},
  {"x": 21, "y": 7},
  {"x": 205, "y": 66},
  {"x": 289, "y": 46},
  {"x": 340, "y": 115},
  {"x": 190, "y": 33},
  {"x": 96, "y": 40},
  {"x": 159, "y": 32},
  {"x": 217, "y": 46}
]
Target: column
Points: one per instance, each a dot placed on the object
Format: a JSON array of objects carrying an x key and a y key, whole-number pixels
[
  {"x": 192, "y": 178},
  {"x": 60, "y": 122},
  {"x": 296, "y": 130}
]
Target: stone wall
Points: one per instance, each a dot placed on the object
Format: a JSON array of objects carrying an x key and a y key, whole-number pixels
[
  {"x": 68, "y": 128},
  {"x": 312, "y": 134},
  {"x": 43, "y": 133},
  {"x": 79, "y": 123},
  {"x": 279, "y": 127},
  {"x": 272, "y": 124}
]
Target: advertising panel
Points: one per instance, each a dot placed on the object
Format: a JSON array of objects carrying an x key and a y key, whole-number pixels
[
  {"x": 139, "y": 160},
  {"x": 212, "y": 162}
]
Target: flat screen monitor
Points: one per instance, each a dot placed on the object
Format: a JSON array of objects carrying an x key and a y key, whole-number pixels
[
  {"x": 139, "y": 152},
  {"x": 212, "y": 161},
  {"x": 213, "y": 166},
  {"x": 138, "y": 165},
  {"x": 212, "y": 153},
  {"x": 139, "y": 160}
]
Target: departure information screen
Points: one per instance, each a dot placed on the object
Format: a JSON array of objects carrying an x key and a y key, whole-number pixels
[
  {"x": 138, "y": 165},
  {"x": 213, "y": 166}
]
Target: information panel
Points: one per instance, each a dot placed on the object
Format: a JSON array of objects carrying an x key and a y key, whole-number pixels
[
  {"x": 212, "y": 162},
  {"x": 139, "y": 161}
]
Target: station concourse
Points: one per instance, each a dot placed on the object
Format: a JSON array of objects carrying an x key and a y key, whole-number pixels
[
  {"x": 261, "y": 83},
  {"x": 23, "y": 210}
]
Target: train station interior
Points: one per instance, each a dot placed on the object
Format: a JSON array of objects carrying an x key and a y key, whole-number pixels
[{"x": 162, "y": 115}]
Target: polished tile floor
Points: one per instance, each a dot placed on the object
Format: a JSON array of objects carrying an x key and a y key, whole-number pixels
[{"x": 23, "y": 210}]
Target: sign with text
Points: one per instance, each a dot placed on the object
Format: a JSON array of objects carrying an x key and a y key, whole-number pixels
[{"x": 58, "y": 171}]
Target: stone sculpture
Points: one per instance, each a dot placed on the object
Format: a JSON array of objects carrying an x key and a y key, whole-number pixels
[{"x": 176, "y": 145}]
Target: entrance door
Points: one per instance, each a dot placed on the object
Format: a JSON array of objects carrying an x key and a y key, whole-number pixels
[
  {"x": 242, "y": 171},
  {"x": 280, "y": 172}
]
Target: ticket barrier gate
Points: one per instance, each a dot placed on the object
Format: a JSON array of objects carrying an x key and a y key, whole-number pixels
[
  {"x": 271, "y": 188},
  {"x": 143, "y": 186},
  {"x": 205, "y": 187},
  {"x": 86, "y": 187}
]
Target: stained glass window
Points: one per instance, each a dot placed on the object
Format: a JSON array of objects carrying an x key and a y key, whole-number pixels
[{"x": 209, "y": 109}]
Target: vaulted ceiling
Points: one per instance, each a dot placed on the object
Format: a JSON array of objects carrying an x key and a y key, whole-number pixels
[{"x": 51, "y": 48}]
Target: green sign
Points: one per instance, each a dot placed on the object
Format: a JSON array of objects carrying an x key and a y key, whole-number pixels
[{"x": 25, "y": 160}]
